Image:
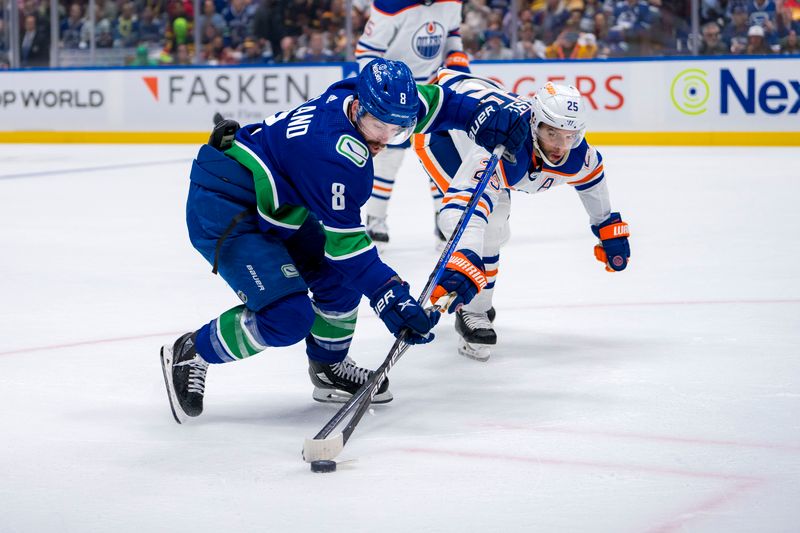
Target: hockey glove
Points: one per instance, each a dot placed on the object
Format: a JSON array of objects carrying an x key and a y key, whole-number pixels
[
  {"x": 398, "y": 310},
  {"x": 223, "y": 134},
  {"x": 500, "y": 119},
  {"x": 463, "y": 278},
  {"x": 613, "y": 249}
]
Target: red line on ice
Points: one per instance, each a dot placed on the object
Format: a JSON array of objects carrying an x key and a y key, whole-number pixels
[
  {"x": 740, "y": 484},
  {"x": 681, "y": 518},
  {"x": 650, "y": 437},
  {"x": 587, "y": 464},
  {"x": 560, "y": 306},
  {"x": 88, "y": 343}
]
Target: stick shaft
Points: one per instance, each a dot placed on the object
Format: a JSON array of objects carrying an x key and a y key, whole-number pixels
[{"x": 362, "y": 399}]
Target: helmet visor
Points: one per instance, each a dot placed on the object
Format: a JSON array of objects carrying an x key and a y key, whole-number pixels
[
  {"x": 559, "y": 138},
  {"x": 375, "y": 130}
]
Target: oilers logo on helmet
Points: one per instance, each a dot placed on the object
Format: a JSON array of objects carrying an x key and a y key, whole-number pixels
[{"x": 427, "y": 41}]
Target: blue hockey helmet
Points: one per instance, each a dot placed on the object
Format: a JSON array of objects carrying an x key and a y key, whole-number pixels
[{"x": 387, "y": 91}]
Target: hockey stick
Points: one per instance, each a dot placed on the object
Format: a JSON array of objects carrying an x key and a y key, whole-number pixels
[{"x": 325, "y": 448}]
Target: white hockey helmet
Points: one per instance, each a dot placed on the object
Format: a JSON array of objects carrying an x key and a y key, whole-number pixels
[{"x": 559, "y": 106}]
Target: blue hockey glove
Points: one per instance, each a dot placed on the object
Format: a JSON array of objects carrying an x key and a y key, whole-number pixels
[
  {"x": 500, "y": 119},
  {"x": 613, "y": 249},
  {"x": 398, "y": 310},
  {"x": 464, "y": 277}
]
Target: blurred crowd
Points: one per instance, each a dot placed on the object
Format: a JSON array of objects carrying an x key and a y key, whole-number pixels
[{"x": 161, "y": 32}]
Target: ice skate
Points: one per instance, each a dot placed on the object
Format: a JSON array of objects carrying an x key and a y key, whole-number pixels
[
  {"x": 184, "y": 376},
  {"x": 378, "y": 231},
  {"x": 476, "y": 334},
  {"x": 337, "y": 382}
]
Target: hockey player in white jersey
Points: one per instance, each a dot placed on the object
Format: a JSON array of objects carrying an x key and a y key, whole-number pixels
[
  {"x": 557, "y": 153},
  {"x": 425, "y": 35}
]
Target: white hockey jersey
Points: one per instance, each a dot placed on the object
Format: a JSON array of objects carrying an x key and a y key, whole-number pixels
[
  {"x": 423, "y": 37},
  {"x": 455, "y": 163}
]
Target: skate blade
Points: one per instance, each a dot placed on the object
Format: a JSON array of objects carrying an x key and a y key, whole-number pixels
[
  {"x": 166, "y": 368},
  {"x": 336, "y": 396},
  {"x": 478, "y": 352}
]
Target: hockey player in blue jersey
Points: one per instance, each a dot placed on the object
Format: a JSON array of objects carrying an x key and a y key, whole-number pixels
[
  {"x": 556, "y": 153},
  {"x": 277, "y": 213}
]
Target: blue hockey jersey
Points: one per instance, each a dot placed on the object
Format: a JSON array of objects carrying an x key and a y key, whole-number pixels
[{"x": 313, "y": 160}]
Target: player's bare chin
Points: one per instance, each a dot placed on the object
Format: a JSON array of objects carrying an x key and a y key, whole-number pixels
[{"x": 375, "y": 148}]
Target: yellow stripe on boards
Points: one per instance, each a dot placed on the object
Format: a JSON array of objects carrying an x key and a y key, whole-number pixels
[{"x": 695, "y": 138}]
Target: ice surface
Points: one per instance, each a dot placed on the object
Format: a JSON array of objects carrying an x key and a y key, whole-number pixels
[{"x": 664, "y": 398}]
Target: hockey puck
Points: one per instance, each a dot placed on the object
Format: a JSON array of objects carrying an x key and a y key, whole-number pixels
[{"x": 323, "y": 466}]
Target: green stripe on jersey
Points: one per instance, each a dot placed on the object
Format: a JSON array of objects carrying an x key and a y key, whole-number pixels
[
  {"x": 334, "y": 327},
  {"x": 287, "y": 216},
  {"x": 431, "y": 96},
  {"x": 232, "y": 332},
  {"x": 343, "y": 244}
]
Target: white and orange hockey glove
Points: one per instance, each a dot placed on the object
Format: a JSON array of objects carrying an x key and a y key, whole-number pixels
[
  {"x": 614, "y": 249},
  {"x": 463, "y": 278}
]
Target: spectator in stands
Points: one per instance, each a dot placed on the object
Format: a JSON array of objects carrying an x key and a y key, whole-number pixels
[
  {"x": 575, "y": 14},
  {"x": 151, "y": 29},
  {"x": 316, "y": 52},
  {"x": 471, "y": 43},
  {"x": 569, "y": 45},
  {"x": 604, "y": 45},
  {"x": 476, "y": 15},
  {"x": 3, "y": 40},
  {"x": 551, "y": 20},
  {"x": 251, "y": 52},
  {"x": 633, "y": 19},
  {"x": 711, "y": 11},
  {"x": 142, "y": 57},
  {"x": 34, "y": 50},
  {"x": 586, "y": 47},
  {"x": 660, "y": 38},
  {"x": 238, "y": 17},
  {"x": 126, "y": 29},
  {"x": 789, "y": 44},
  {"x": 109, "y": 8},
  {"x": 735, "y": 33},
  {"x": 182, "y": 55},
  {"x": 712, "y": 44},
  {"x": 495, "y": 47},
  {"x": 288, "y": 50},
  {"x": 268, "y": 22},
  {"x": 761, "y": 11},
  {"x": 210, "y": 16},
  {"x": 734, "y": 5},
  {"x": 756, "y": 42},
  {"x": 590, "y": 9},
  {"x": 71, "y": 27},
  {"x": 783, "y": 23},
  {"x": 104, "y": 34},
  {"x": 180, "y": 8},
  {"x": 41, "y": 13},
  {"x": 528, "y": 46}
]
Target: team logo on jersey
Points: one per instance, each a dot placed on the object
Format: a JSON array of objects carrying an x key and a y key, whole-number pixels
[
  {"x": 353, "y": 149},
  {"x": 289, "y": 271},
  {"x": 427, "y": 41}
]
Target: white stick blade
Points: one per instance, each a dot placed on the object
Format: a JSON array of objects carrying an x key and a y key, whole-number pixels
[{"x": 323, "y": 449}]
